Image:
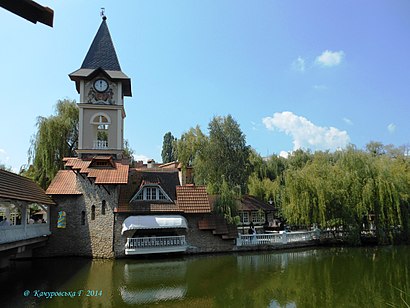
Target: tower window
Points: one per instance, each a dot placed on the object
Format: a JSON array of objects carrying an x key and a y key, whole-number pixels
[
  {"x": 103, "y": 205},
  {"x": 93, "y": 212},
  {"x": 101, "y": 123}
]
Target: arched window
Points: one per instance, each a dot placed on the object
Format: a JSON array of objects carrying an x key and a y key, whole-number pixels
[
  {"x": 93, "y": 212},
  {"x": 83, "y": 217},
  {"x": 101, "y": 121},
  {"x": 103, "y": 206}
]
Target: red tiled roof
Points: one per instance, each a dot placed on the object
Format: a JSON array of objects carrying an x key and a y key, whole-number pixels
[
  {"x": 17, "y": 187},
  {"x": 193, "y": 199},
  {"x": 102, "y": 175},
  {"x": 64, "y": 183}
]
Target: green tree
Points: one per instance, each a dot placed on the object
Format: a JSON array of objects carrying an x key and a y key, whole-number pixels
[
  {"x": 56, "y": 137},
  {"x": 128, "y": 151},
  {"x": 191, "y": 146},
  {"x": 375, "y": 148},
  {"x": 226, "y": 203},
  {"x": 168, "y": 153},
  {"x": 225, "y": 155}
]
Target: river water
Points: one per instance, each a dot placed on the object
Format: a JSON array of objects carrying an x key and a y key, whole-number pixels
[{"x": 322, "y": 277}]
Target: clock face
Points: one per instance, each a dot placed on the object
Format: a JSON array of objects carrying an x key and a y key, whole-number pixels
[{"x": 101, "y": 85}]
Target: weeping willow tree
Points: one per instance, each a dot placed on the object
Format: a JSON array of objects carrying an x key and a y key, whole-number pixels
[
  {"x": 226, "y": 203},
  {"x": 56, "y": 137},
  {"x": 349, "y": 189},
  {"x": 349, "y": 192}
]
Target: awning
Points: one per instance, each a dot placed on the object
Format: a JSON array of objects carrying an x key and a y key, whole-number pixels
[{"x": 154, "y": 222}]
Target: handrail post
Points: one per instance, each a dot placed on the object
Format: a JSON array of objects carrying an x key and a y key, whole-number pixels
[{"x": 284, "y": 237}]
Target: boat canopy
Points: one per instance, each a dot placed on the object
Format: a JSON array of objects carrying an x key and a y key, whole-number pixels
[{"x": 154, "y": 222}]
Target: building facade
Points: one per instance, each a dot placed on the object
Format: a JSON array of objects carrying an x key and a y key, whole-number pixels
[{"x": 107, "y": 209}]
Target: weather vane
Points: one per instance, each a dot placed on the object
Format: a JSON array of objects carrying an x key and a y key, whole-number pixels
[{"x": 102, "y": 14}]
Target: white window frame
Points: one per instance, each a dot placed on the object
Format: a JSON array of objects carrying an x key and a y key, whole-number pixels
[
  {"x": 256, "y": 218},
  {"x": 151, "y": 192},
  {"x": 244, "y": 217}
]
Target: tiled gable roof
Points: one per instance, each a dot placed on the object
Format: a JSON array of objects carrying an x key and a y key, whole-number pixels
[
  {"x": 193, "y": 199},
  {"x": 17, "y": 187},
  {"x": 102, "y": 175},
  {"x": 102, "y": 52},
  {"x": 64, "y": 183}
]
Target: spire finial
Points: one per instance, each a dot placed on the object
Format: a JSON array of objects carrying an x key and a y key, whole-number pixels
[{"x": 102, "y": 14}]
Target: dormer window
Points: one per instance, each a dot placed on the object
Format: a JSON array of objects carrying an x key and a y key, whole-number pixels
[{"x": 150, "y": 193}]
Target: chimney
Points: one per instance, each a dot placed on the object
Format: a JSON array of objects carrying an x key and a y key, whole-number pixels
[{"x": 150, "y": 163}]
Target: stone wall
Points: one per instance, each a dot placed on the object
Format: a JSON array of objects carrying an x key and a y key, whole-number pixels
[
  {"x": 119, "y": 240},
  {"x": 203, "y": 241},
  {"x": 83, "y": 237}
]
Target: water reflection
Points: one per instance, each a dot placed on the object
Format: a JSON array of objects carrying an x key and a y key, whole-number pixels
[
  {"x": 337, "y": 277},
  {"x": 147, "y": 283}
]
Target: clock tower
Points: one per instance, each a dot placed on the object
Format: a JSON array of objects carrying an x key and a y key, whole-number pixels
[{"x": 102, "y": 87}]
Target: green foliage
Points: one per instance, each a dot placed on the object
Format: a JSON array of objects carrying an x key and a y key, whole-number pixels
[
  {"x": 128, "y": 151},
  {"x": 190, "y": 146},
  {"x": 225, "y": 155},
  {"x": 56, "y": 138},
  {"x": 168, "y": 153},
  {"x": 226, "y": 204},
  {"x": 339, "y": 190}
]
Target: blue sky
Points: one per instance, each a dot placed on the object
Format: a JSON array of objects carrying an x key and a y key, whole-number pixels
[{"x": 311, "y": 74}]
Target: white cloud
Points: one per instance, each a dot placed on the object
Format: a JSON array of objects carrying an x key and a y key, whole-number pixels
[
  {"x": 284, "y": 154},
  {"x": 330, "y": 58},
  {"x": 305, "y": 134},
  {"x": 4, "y": 157},
  {"x": 299, "y": 64},
  {"x": 347, "y": 121},
  {"x": 319, "y": 87},
  {"x": 138, "y": 157},
  {"x": 391, "y": 128}
]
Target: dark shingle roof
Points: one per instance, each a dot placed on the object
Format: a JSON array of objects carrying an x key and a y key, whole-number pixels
[
  {"x": 251, "y": 203},
  {"x": 167, "y": 180},
  {"x": 102, "y": 52},
  {"x": 13, "y": 186}
]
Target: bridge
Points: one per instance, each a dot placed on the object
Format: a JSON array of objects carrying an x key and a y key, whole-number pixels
[{"x": 24, "y": 217}]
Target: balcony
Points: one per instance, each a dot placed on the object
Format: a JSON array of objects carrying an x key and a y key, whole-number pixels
[
  {"x": 100, "y": 145},
  {"x": 155, "y": 244}
]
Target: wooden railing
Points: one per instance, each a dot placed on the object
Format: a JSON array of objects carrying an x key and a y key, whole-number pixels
[
  {"x": 276, "y": 238},
  {"x": 155, "y": 242}
]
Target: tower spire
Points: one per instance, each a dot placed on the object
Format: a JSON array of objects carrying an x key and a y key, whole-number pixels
[{"x": 102, "y": 14}]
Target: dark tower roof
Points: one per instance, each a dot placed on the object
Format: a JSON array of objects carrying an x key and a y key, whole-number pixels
[
  {"x": 101, "y": 57},
  {"x": 102, "y": 52}
]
